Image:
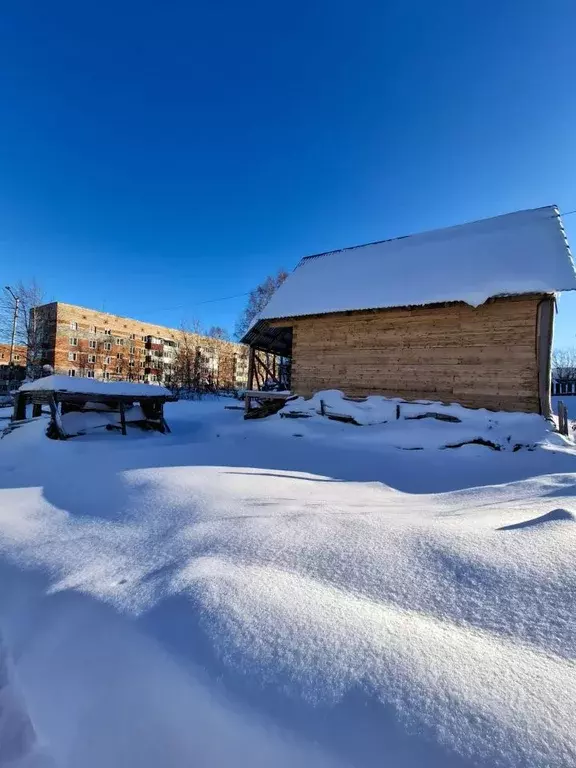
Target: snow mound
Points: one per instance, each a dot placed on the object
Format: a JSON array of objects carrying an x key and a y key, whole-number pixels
[{"x": 426, "y": 424}]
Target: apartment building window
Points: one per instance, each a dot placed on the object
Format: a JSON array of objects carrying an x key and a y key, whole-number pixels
[
  {"x": 107, "y": 331},
  {"x": 132, "y": 350},
  {"x": 107, "y": 360},
  {"x": 118, "y": 369},
  {"x": 1, "y": 355},
  {"x": 73, "y": 326},
  {"x": 143, "y": 338},
  {"x": 90, "y": 374},
  {"x": 107, "y": 346},
  {"x": 73, "y": 341},
  {"x": 141, "y": 364},
  {"x": 120, "y": 342},
  {"x": 92, "y": 329},
  {"x": 132, "y": 335},
  {"x": 131, "y": 364},
  {"x": 71, "y": 372},
  {"x": 72, "y": 356},
  {"x": 107, "y": 376},
  {"x": 119, "y": 356},
  {"x": 91, "y": 358},
  {"x": 92, "y": 343}
]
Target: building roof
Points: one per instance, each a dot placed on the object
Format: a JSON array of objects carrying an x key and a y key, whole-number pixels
[{"x": 518, "y": 253}]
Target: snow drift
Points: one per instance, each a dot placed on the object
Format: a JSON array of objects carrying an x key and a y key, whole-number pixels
[
  {"x": 425, "y": 424},
  {"x": 287, "y": 593}
]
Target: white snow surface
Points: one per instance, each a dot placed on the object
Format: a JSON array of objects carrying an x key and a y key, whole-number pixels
[
  {"x": 85, "y": 386},
  {"x": 517, "y": 253},
  {"x": 285, "y": 592}
]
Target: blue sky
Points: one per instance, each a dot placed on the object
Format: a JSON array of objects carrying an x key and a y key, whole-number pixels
[{"x": 157, "y": 155}]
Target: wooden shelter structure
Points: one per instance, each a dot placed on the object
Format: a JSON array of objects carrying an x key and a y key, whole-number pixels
[
  {"x": 64, "y": 394},
  {"x": 463, "y": 315}
]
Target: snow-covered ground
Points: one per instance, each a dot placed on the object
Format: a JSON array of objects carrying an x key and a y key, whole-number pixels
[{"x": 286, "y": 593}]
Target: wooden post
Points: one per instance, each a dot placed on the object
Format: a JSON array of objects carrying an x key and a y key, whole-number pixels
[
  {"x": 56, "y": 420},
  {"x": 122, "y": 416},
  {"x": 36, "y": 410},
  {"x": 562, "y": 418},
  {"x": 246, "y": 404},
  {"x": 322, "y": 408},
  {"x": 251, "y": 367},
  {"x": 19, "y": 412}
]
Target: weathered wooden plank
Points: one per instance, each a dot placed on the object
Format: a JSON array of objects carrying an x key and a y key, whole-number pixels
[{"x": 483, "y": 355}]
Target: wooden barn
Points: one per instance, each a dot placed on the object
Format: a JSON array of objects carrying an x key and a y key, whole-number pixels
[{"x": 462, "y": 315}]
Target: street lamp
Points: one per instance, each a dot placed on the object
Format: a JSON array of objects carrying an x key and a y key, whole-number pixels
[{"x": 14, "y": 321}]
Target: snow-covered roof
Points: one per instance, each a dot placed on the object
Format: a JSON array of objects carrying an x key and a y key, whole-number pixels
[
  {"x": 84, "y": 386},
  {"x": 518, "y": 253}
]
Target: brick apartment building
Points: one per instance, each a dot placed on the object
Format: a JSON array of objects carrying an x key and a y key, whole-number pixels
[
  {"x": 77, "y": 341},
  {"x": 17, "y": 371}
]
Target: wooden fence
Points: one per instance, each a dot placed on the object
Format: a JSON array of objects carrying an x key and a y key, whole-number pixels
[{"x": 563, "y": 387}]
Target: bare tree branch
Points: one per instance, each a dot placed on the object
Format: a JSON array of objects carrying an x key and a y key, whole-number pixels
[
  {"x": 257, "y": 300},
  {"x": 29, "y": 326},
  {"x": 217, "y": 332},
  {"x": 564, "y": 364}
]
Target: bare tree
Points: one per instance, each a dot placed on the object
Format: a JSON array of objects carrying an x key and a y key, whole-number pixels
[
  {"x": 564, "y": 364},
  {"x": 217, "y": 332},
  {"x": 257, "y": 300},
  {"x": 30, "y": 326},
  {"x": 185, "y": 370}
]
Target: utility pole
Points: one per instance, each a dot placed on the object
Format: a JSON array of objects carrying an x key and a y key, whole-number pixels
[{"x": 14, "y": 321}]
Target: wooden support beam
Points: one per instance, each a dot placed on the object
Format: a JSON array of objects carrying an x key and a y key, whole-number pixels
[
  {"x": 56, "y": 420},
  {"x": 19, "y": 412},
  {"x": 268, "y": 371},
  {"x": 251, "y": 368},
  {"x": 122, "y": 417}
]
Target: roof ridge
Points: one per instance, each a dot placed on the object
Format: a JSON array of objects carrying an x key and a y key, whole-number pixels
[{"x": 429, "y": 232}]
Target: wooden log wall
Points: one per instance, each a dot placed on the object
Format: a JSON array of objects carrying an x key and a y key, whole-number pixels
[{"x": 482, "y": 357}]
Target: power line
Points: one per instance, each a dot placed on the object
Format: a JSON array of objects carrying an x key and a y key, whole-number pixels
[{"x": 198, "y": 303}]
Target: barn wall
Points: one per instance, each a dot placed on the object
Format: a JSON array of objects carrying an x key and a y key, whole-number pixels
[{"x": 479, "y": 357}]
